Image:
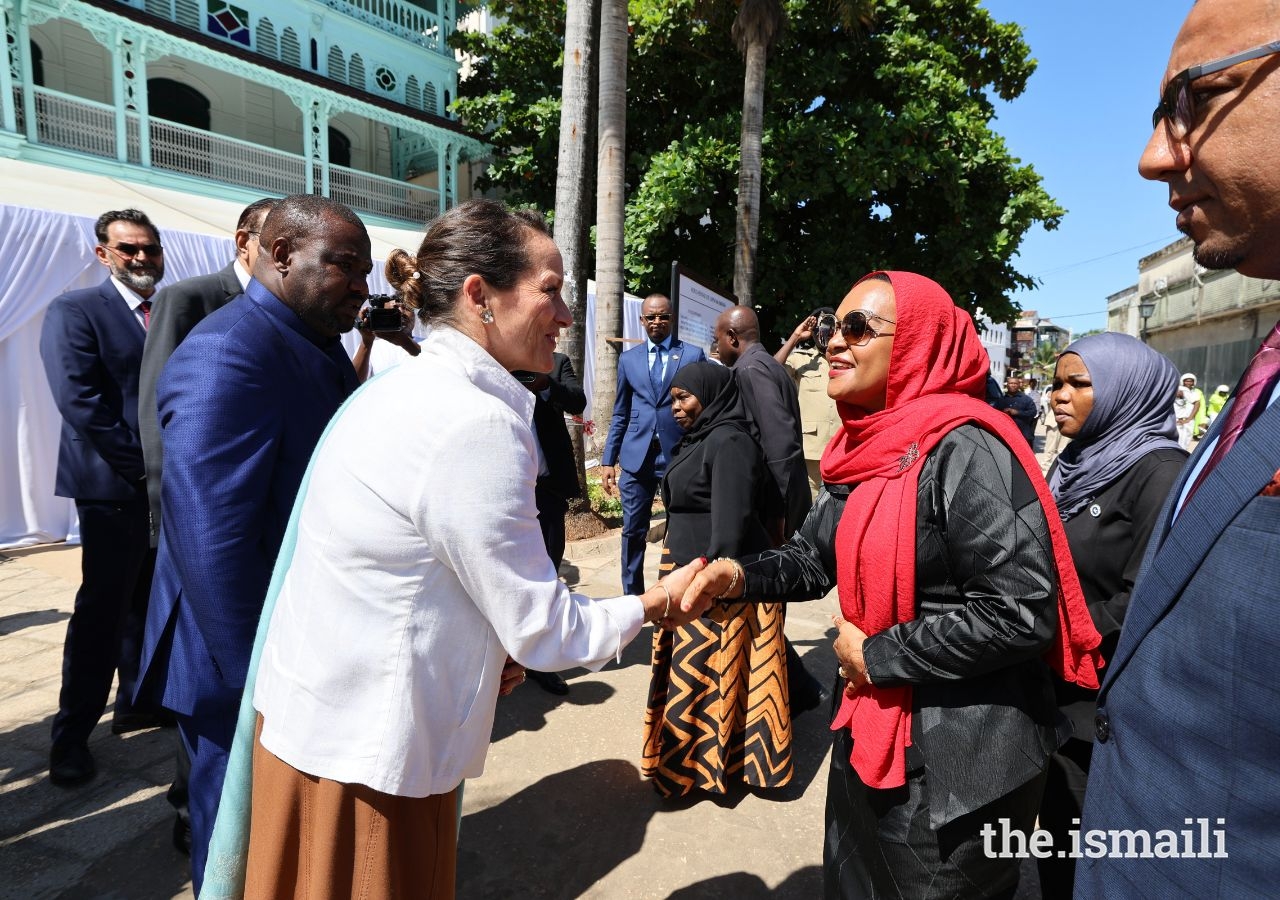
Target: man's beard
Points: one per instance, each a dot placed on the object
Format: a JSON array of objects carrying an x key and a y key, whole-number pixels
[
  {"x": 1214, "y": 259},
  {"x": 142, "y": 282}
]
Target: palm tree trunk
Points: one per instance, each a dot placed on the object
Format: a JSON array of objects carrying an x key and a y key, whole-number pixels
[
  {"x": 610, "y": 203},
  {"x": 571, "y": 223},
  {"x": 744, "y": 269}
]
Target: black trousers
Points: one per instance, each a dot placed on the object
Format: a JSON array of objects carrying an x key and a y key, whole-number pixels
[
  {"x": 551, "y": 509},
  {"x": 1060, "y": 814},
  {"x": 879, "y": 843},
  {"x": 104, "y": 634}
]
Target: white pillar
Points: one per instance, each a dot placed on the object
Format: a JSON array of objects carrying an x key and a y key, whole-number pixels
[{"x": 9, "y": 29}]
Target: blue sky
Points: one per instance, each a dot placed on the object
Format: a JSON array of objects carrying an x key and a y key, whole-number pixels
[{"x": 1082, "y": 122}]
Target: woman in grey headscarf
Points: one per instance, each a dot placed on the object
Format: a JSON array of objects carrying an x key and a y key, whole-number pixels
[{"x": 1113, "y": 396}]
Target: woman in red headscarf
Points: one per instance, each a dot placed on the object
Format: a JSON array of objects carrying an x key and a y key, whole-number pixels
[{"x": 958, "y": 600}]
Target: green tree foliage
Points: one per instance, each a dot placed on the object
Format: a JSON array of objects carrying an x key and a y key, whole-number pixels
[{"x": 878, "y": 147}]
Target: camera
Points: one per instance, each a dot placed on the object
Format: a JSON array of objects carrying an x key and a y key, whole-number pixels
[
  {"x": 383, "y": 313},
  {"x": 824, "y": 330}
]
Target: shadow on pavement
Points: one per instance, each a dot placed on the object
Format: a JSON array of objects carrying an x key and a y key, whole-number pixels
[
  {"x": 14, "y": 623},
  {"x": 527, "y": 707},
  {"x": 558, "y": 837},
  {"x": 802, "y": 884}
]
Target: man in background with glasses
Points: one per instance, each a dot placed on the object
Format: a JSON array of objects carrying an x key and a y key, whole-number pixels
[
  {"x": 642, "y": 431},
  {"x": 1187, "y": 740},
  {"x": 91, "y": 345}
]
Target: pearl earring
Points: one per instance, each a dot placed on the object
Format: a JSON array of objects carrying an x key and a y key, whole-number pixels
[{"x": 486, "y": 316}]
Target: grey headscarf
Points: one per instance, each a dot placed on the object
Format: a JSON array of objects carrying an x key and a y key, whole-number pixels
[{"x": 1133, "y": 388}]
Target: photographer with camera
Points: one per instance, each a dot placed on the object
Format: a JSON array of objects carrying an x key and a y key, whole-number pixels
[
  {"x": 385, "y": 317},
  {"x": 804, "y": 356}
]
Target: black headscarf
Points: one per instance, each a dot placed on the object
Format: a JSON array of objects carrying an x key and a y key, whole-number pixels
[{"x": 716, "y": 388}]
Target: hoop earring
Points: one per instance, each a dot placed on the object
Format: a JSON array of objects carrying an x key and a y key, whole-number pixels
[{"x": 486, "y": 316}]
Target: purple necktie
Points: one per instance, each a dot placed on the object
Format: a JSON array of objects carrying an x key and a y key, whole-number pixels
[{"x": 1251, "y": 400}]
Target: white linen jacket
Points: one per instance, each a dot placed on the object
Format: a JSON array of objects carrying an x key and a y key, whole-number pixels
[{"x": 419, "y": 566}]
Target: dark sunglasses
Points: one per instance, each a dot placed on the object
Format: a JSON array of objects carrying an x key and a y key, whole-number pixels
[
  {"x": 1177, "y": 103},
  {"x": 657, "y": 317},
  {"x": 855, "y": 328},
  {"x": 129, "y": 251}
]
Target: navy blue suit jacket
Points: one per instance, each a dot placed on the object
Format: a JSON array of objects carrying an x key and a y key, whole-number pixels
[
  {"x": 1188, "y": 706},
  {"x": 242, "y": 402},
  {"x": 638, "y": 411},
  {"x": 91, "y": 345}
]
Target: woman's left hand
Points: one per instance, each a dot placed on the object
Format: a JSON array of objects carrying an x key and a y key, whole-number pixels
[
  {"x": 512, "y": 677},
  {"x": 848, "y": 647}
]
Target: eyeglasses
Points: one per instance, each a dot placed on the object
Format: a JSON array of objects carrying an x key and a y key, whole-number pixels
[
  {"x": 856, "y": 328},
  {"x": 1177, "y": 103},
  {"x": 129, "y": 251},
  {"x": 657, "y": 317}
]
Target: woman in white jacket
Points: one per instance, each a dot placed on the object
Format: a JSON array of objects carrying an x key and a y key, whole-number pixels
[{"x": 416, "y": 582}]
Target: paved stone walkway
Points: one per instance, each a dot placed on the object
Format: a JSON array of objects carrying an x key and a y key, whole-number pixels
[{"x": 561, "y": 811}]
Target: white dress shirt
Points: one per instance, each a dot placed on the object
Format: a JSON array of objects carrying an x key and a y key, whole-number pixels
[
  {"x": 134, "y": 300},
  {"x": 419, "y": 565}
]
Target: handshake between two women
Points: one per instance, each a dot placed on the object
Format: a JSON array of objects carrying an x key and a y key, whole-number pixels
[{"x": 691, "y": 590}]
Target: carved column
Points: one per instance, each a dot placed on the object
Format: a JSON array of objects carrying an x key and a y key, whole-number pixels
[
  {"x": 132, "y": 60},
  {"x": 11, "y": 71}
]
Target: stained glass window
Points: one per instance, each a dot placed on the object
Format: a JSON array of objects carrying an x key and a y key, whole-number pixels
[{"x": 227, "y": 21}]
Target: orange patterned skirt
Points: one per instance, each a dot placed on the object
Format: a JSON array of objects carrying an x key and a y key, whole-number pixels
[{"x": 718, "y": 712}]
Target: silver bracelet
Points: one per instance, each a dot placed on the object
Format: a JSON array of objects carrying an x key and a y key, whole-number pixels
[{"x": 733, "y": 582}]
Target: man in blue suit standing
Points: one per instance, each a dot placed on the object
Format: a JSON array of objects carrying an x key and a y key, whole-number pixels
[
  {"x": 242, "y": 403},
  {"x": 91, "y": 346},
  {"x": 1187, "y": 740},
  {"x": 642, "y": 432}
]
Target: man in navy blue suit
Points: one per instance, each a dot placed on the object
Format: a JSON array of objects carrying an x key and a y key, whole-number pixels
[
  {"x": 1187, "y": 740},
  {"x": 242, "y": 403},
  {"x": 178, "y": 309},
  {"x": 642, "y": 432},
  {"x": 91, "y": 345}
]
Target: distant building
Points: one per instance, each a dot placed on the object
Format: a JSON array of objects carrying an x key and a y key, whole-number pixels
[
  {"x": 995, "y": 338},
  {"x": 1032, "y": 331},
  {"x": 236, "y": 100},
  {"x": 1207, "y": 322}
]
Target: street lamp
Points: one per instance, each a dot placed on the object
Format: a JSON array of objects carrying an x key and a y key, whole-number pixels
[{"x": 1146, "y": 309}]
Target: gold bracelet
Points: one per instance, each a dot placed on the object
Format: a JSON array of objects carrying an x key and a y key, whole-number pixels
[
  {"x": 733, "y": 582},
  {"x": 667, "y": 609}
]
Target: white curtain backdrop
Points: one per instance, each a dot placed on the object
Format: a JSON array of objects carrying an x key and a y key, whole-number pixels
[{"x": 47, "y": 254}]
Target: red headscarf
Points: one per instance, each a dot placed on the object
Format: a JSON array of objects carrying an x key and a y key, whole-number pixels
[{"x": 937, "y": 377}]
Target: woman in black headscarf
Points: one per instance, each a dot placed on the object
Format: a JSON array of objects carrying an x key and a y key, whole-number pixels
[
  {"x": 718, "y": 711},
  {"x": 1113, "y": 396}
]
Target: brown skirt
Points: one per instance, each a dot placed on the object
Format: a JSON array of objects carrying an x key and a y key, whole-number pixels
[
  {"x": 718, "y": 712},
  {"x": 318, "y": 839}
]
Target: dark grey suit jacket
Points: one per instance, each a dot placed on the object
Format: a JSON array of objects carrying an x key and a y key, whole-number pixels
[
  {"x": 177, "y": 309},
  {"x": 774, "y": 402},
  {"x": 1187, "y": 722}
]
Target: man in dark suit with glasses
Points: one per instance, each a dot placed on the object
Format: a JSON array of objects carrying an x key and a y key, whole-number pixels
[
  {"x": 1187, "y": 749},
  {"x": 642, "y": 432},
  {"x": 91, "y": 345}
]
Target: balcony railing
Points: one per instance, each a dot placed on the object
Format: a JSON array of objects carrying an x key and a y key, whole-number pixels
[
  {"x": 412, "y": 23},
  {"x": 383, "y": 196},
  {"x": 236, "y": 22},
  {"x": 86, "y": 126}
]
